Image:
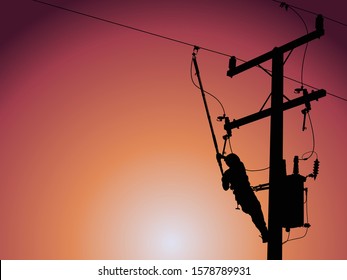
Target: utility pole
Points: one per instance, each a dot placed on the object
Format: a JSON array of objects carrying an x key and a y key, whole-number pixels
[
  {"x": 277, "y": 171},
  {"x": 277, "y": 166}
]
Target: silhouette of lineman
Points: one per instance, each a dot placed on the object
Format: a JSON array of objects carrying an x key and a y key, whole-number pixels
[{"x": 236, "y": 179}]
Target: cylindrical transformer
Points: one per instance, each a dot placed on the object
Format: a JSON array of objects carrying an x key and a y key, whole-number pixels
[{"x": 293, "y": 202}]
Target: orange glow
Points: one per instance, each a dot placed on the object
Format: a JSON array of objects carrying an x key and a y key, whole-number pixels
[{"x": 105, "y": 148}]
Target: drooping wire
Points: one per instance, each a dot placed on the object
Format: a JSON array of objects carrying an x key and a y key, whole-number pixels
[
  {"x": 203, "y": 95},
  {"x": 286, "y": 6},
  {"x": 288, "y": 236},
  {"x": 226, "y": 140},
  {"x": 197, "y": 86},
  {"x": 309, "y": 152},
  {"x": 296, "y": 238},
  {"x": 257, "y": 170},
  {"x": 215, "y": 98},
  {"x": 306, "y": 46},
  {"x": 313, "y": 141}
]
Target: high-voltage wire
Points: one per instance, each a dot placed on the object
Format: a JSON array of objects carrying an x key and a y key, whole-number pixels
[{"x": 171, "y": 39}]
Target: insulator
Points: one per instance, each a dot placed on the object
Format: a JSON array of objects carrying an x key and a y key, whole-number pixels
[
  {"x": 232, "y": 63},
  {"x": 315, "y": 168}
]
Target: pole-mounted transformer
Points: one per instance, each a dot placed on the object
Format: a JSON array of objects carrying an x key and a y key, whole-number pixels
[{"x": 293, "y": 199}]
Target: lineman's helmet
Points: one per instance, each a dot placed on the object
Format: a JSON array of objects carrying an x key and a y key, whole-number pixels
[{"x": 232, "y": 160}]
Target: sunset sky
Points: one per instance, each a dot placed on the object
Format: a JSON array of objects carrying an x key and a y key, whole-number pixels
[{"x": 105, "y": 148}]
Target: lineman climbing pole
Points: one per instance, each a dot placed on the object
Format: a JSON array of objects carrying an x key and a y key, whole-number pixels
[{"x": 277, "y": 166}]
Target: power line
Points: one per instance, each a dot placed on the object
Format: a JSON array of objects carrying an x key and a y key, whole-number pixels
[
  {"x": 128, "y": 27},
  {"x": 169, "y": 39},
  {"x": 197, "y": 86},
  {"x": 344, "y": 99},
  {"x": 313, "y": 87},
  {"x": 308, "y": 11}
]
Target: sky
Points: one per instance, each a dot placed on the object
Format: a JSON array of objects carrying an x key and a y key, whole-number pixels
[{"x": 106, "y": 151}]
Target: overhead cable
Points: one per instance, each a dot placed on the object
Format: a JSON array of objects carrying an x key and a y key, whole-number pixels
[{"x": 170, "y": 39}]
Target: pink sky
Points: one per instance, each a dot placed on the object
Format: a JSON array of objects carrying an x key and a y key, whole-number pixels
[{"x": 106, "y": 151}]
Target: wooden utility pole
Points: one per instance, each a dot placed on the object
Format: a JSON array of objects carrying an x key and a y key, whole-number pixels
[
  {"x": 277, "y": 166},
  {"x": 277, "y": 171}
]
